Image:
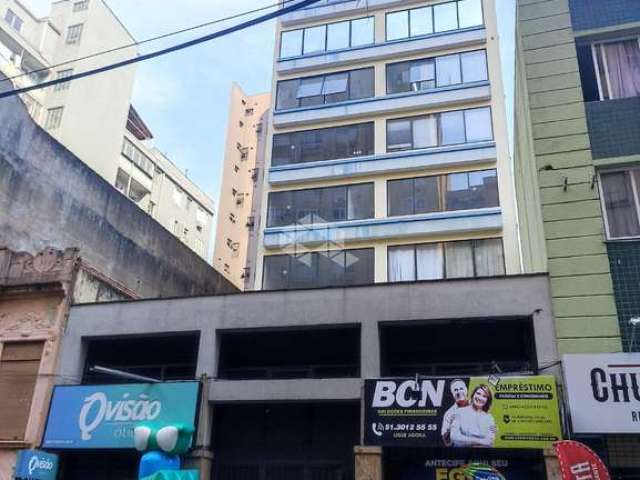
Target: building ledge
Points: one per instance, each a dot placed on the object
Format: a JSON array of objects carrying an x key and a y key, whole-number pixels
[
  {"x": 428, "y": 158},
  {"x": 381, "y": 51},
  {"x": 477, "y": 220},
  {"x": 444, "y": 96},
  {"x": 277, "y": 390}
]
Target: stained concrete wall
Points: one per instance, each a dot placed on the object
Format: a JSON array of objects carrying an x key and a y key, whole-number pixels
[{"x": 48, "y": 197}]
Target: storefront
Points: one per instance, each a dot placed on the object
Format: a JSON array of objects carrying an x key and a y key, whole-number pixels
[
  {"x": 431, "y": 428},
  {"x": 91, "y": 426},
  {"x": 603, "y": 396}
]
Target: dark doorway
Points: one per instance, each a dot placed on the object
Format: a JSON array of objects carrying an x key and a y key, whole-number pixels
[
  {"x": 460, "y": 347},
  {"x": 95, "y": 465},
  {"x": 285, "y": 441}
]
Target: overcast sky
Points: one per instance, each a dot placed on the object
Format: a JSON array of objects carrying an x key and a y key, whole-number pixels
[{"x": 184, "y": 97}]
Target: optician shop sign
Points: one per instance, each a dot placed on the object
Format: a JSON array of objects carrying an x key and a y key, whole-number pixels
[
  {"x": 36, "y": 465},
  {"x": 103, "y": 416},
  {"x": 516, "y": 412},
  {"x": 603, "y": 392}
]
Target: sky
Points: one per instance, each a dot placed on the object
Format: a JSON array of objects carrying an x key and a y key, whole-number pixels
[{"x": 184, "y": 97}]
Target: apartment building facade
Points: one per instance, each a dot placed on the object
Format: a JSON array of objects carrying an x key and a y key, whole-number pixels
[
  {"x": 578, "y": 124},
  {"x": 239, "y": 207},
  {"x": 388, "y": 155},
  {"x": 93, "y": 116}
]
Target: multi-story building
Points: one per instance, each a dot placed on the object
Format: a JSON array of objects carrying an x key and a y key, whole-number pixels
[
  {"x": 93, "y": 116},
  {"x": 239, "y": 208},
  {"x": 388, "y": 157},
  {"x": 578, "y": 131}
]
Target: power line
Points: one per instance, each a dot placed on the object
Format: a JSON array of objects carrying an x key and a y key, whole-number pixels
[
  {"x": 148, "y": 40},
  {"x": 165, "y": 51}
]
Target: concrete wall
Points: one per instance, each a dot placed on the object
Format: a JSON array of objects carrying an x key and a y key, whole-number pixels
[
  {"x": 552, "y": 115},
  {"x": 49, "y": 197},
  {"x": 516, "y": 296}
]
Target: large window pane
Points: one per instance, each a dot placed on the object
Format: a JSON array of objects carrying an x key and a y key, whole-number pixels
[
  {"x": 307, "y": 206},
  {"x": 310, "y": 87},
  {"x": 291, "y": 44},
  {"x": 359, "y": 267},
  {"x": 474, "y": 66},
  {"x": 620, "y": 204},
  {"x": 287, "y": 94},
  {"x": 426, "y": 197},
  {"x": 429, "y": 261},
  {"x": 361, "y": 83},
  {"x": 360, "y": 204},
  {"x": 623, "y": 68},
  {"x": 402, "y": 264},
  {"x": 420, "y": 21},
  {"x": 331, "y": 268},
  {"x": 398, "y": 75},
  {"x": 362, "y": 32},
  {"x": 452, "y": 128},
  {"x": 399, "y": 135},
  {"x": 311, "y": 144},
  {"x": 470, "y": 12},
  {"x": 425, "y": 132},
  {"x": 314, "y": 39},
  {"x": 459, "y": 259},
  {"x": 338, "y": 36},
  {"x": 283, "y": 149},
  {"x": 398, "y": 25},
  {"x": 336, "y": 83},
  {"x": 484, "y": 185},
  {"x": 364, "y": 140},
  {"x": 400, "y": 197},
  {"x": 448, "y": 70},
  {"x": 478, "y": 124},
  {"x": 280, "y": 209},
  {"x": 489, "y": 257},
  {"x": 422, "y": 74},
  {"x": 445, "y": 17},
  {"x": 276, "y": 272},
  {"x": 333, "y": 204},
  {"x": 304, "y": 270}
]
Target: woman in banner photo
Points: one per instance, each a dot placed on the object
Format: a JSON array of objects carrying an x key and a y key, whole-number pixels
[{"x": 473, "y": 425}]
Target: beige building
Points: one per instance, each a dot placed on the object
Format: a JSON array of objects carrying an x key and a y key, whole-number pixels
[
  {"x": 239, "y": 206},
  {"x": 388, "y": 156},
  {"x": 93, "y": 116}
]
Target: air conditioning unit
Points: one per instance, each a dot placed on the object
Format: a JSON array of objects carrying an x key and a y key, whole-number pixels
[
  {"x": 254, "y": 174},
  {"x": 251, "y": 220},
  {"x": 239, "y": 198}
]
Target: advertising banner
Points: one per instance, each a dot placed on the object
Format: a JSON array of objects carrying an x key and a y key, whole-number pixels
[
  {"x": 36, "y": 465},
  {"x": 579, "y": 462},
  {"x": 603, "y": 392},
  {"x": 103, "y": 416},
  {"x": 518, "y": 412}
]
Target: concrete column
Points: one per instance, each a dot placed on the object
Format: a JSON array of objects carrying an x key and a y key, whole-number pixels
[
  {"x": 201, "y": 457},
  {"x": 552, "y": 464},
  {"x": 368, "y": 463}
]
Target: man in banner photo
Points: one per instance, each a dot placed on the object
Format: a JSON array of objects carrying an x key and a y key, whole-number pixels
[{"x": 459, "y": 391}]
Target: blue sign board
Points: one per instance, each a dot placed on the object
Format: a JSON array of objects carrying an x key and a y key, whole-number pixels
[
  {"x": 36, "y": 465},
  {"x": 104, "y": 416}
]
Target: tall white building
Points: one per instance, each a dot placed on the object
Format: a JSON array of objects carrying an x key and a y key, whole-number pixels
[{"x": 93, "y": 116}]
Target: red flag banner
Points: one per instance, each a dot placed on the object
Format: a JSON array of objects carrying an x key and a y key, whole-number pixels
[{"x": 579, "y": 462}]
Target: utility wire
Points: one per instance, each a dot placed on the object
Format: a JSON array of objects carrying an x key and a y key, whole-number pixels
[
  {"x": 147, "y": 40},
  {"x": 165, "y": 51}
]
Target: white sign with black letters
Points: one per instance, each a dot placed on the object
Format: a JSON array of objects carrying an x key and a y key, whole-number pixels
[{"x": 603, "y": 392}]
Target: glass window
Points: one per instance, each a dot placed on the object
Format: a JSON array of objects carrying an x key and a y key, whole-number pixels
[
  {"x": 336, "y": 83},
  {"x": 360, "y": 201},
  {"x": 398, "y": 77},
  {"x": 333, "y": 204},
  {"x": 304, "y": 270},
  {"x": 338, "y": 36},
  {"x": 287, "y": 94},
  {"x": 478, "y": 124},
  {"x": 331, "y": 268},
  {"x": 425, "y": 132},
  {"x": 280, "y": 212},
  {"x": 452, "y": 127},
  {"x": 474, "y": 66},
  {"x": 359, "y": 266},
  {"x": 619, "y": 68},
  {"x": 459, "y": 259},
  {"x": 361, "y": 83},
  {"x": 422, "y": 74},
  {"x": 291, "y": 44},
  {"x": 471, "y": 190},
  {"x": 429, "y": 262},
  {"x": 63, "y": 74},
  {"x": 426, "y": 195},
  {"x": 362, "y": 32},
  {"x": 310, "y": 87},
  {"x": 420, "y": 21},
  {"x": 402, "y": 264},
  {"x": 448, "y": 70},
  {"x": 400, "y": 197},
  {"x": 484, "y": 184},
  {"x": 399, "y": 135},
  {"x": 620, "y": 203},
  {"x": 445, "y": 17},
  {"x": 397, "y": 25},
  {"x": 74, "y": 33},
  {"x": 14, "y": 20},
  {"x": 470, "y": 13},
  {"x": 489, "y": 258},
  {"x": 314, "y": 39},
  {"x": 54, "y": 118}
]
